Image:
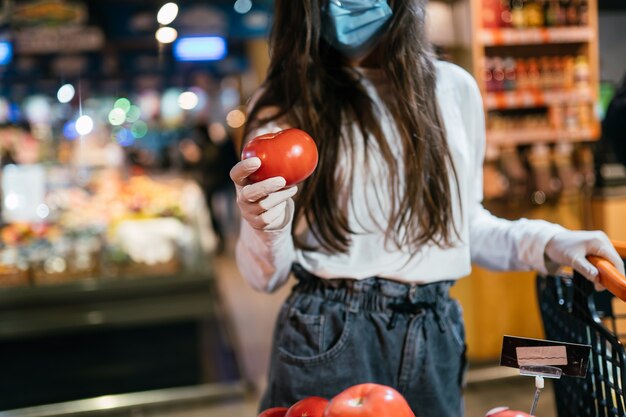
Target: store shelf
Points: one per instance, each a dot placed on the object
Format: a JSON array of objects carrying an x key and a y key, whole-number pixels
[
  {"x": 498, "y": 37},
  {"x": 98, "y": 303},
  {"x": 94, "y": 289},
  {"x": 119, "y": 403},
  {"x": 535, "y": 98},
  {"x": 530, "y": 136}
]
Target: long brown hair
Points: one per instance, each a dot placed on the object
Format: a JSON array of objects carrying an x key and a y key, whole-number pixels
[{"x": 313, "y": 90}]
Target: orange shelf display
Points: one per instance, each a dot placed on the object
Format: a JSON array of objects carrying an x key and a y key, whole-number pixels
[
  {"x": 535, "y": 98},
  {"x": 530, "y": 136},
  {"x": 498, "y": 37}
]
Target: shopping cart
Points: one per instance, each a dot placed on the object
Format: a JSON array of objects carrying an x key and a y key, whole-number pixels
[{"x": 573, "y": 312}]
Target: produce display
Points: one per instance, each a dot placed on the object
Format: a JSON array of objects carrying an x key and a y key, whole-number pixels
[
  {"x": 363, "y": 400},
  {"x": 111, "y": 227},
  {"x": 290, "y": 153}
]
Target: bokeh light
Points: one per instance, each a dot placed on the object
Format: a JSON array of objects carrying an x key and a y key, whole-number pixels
[
  {"x": 139, "y": 129},
  {"x": 167, "y": 13},
  {"x": 170, "y": 110},
  {"x": 149, "y": 103},
  {"x": 84, "y": 125},
  {"x": 66, "y": 93},
  {"x": 123, "y": 137},
  {"x": 117, "y": 116},
  {"x": 43, "y": 211},
  {"x": 243, "y": 6},
  {"x": 166, "y": 34},
  {"x": 37, "y": 109},
  {"x": 133, "y": 114},
  {"x": 235, "y": 118},
  {"x": 122, "y": 103},
  {"x": 12, "y": 201},
  {"x": 188, "y": 100},
  {"x": 69, "y": 130}
]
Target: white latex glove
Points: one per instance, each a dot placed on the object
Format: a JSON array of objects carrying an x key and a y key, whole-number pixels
[
  {"x": 570, "y": 248},
  {"x": 265, "y": 205}
]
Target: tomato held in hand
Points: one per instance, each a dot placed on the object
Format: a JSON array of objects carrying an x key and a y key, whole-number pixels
[
  {"x": 505, "y": 412},
  {"x": 290, "y": 153},
  {"x": 308, "y": 407},
  {"x": 274, "y": 412},
  {"x": 369, "y": 400}
]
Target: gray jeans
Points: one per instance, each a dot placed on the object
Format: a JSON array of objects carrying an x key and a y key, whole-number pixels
[{"x": 332, "y": 334}]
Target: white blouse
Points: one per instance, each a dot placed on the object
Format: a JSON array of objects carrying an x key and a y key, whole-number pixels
[{"x": 265, "y": 257}]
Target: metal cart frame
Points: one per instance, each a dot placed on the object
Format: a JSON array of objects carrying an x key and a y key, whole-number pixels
[{"x": 572, "y": 312}]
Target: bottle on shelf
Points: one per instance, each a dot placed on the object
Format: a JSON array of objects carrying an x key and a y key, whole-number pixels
[
  {"x": 518, "y": 14},
  {"x": 522, "y": 75},
  {"x": 585, "y": 115},
  {"x": 498, "y": 74},
  {"x": 556, "y": 67},
  {"x": 492, "y": 13},
  {"x": 538, "y": 73},
  {"x": 561, "y": 13},
  {"x": 534, "y": 75},
  {"x": 488, "y": 75},
  {"x": 568, "y": 73},
  {"x": 556, "y": 117},
  {"x": 571, "y": 122},
  {"x": 547, "y": 79},
  {"x": 572, "y": 13},
  {"x": 581, "y": 72},
  {"x": 506, "y": 18},
  {"x": 583, "y": 13},
  {"x": 510, "y": 77},
  {"x": 534, "y": 14},
  {"x": 552, "y": 10}
]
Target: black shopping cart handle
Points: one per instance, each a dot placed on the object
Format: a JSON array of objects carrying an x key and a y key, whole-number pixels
[{"x": 610, "y": 277}]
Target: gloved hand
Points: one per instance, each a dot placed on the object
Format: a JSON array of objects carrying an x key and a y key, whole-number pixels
[
  {"x": 265, "y": 205},
  {"x": 571, "y": 248}
]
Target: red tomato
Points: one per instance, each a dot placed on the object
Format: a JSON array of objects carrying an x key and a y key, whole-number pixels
[
  {"x": 274, "y": 412},
  {"x": 308, "y": 407},
  {"x": 505, "y": 412},
  {"x": 290, "y": 153},
  {"x": 369, "y": 400}
]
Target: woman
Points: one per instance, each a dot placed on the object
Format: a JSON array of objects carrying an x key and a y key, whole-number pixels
[{"x": 392, "y": 215}]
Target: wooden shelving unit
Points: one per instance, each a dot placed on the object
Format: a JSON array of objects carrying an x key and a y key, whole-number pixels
[
  {"x": 533, "y": 42},
  {"x": 535, "y": 98},
  {"x": 531, "y": 136},
  {"x": 535, "y": 36}
]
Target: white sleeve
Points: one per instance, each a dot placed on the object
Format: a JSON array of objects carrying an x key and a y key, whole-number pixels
[
  {"x": 264, "y": 257},
  {"x": 496, "y": 243}
]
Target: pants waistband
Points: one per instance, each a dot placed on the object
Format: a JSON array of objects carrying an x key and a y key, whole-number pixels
[{"x": 374, "y": 293}]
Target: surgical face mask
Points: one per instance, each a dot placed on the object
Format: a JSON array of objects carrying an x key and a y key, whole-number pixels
[{"x": 353, "y": 26}]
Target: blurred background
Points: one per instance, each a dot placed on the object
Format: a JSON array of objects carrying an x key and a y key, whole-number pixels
[{"x": 119, "y": 123}]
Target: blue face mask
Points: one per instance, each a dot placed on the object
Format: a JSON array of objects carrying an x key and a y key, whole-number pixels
[{"x": 352, "y": 26}]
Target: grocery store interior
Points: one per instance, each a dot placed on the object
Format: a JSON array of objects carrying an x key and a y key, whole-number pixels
[{"x": 119, "y": 123}]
